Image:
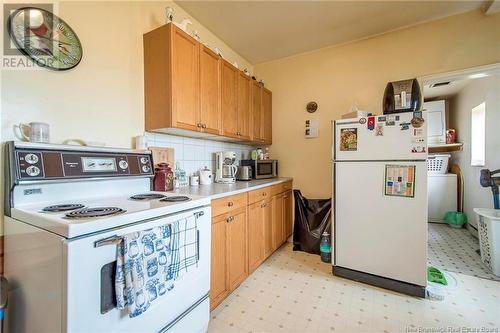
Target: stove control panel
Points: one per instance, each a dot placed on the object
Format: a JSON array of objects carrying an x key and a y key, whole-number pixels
[
  {"x": 30, "y": 165},
  {"x": 53, "y": 164}
]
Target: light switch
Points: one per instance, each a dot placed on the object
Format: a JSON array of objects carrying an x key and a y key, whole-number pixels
[{"x": 311, "y": 129}]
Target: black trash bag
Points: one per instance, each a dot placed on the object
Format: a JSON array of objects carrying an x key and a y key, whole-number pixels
[{"x": 312, "y": 218}]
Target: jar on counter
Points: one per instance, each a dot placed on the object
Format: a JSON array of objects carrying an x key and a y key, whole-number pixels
[{"x": 164, "y": 178}]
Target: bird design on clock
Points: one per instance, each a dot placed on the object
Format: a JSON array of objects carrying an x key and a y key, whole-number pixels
[{"x": 45, "y": 38}]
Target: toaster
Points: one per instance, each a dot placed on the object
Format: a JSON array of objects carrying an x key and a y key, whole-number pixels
[{"x": 244, "y": 173}]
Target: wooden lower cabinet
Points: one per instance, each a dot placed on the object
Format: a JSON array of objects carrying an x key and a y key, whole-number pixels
[
  {"x": 237, "y": 248},
  {"x": 287, "y": 212},
  {"x": 219, "y": 286},
  {"x": 268, "y": 228},
  {"x": 229, "y": 265},
  {"x": 256, "y": 219},
  {"x": 278, "y": 221},
  {"x": 243, "y": 236}
]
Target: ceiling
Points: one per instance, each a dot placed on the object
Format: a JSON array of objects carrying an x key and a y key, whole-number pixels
[
  {"x": 445, "y": 91},
  {"x": 261, "y": 31}
]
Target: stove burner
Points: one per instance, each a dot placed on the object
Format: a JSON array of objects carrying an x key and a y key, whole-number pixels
[
  {"x": 62, "y": 208},
  {"x": 147, "y": 196},
  {"x": 94, "y": 212},
  {"x": 176, "y": 198}
]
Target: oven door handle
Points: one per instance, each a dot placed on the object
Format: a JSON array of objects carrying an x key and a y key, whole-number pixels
[{"x": 113, "y": 240}]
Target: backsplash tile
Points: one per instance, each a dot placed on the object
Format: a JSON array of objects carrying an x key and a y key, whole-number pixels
[{"x": 194, "y": 154}]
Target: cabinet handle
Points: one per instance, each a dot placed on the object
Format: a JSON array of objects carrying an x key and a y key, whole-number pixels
[
  {"x": 263, "y": 205},
  {"x": 264, "y": 194},
  {"x": 230, "y": 204},
  {"x": 230, "y": 219},
  {"x": 204, "y": 125},
  {"x": 198, "y": 125}
]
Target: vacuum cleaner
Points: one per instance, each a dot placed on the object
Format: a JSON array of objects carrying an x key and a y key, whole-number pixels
[{"x": 487, "y": 180}]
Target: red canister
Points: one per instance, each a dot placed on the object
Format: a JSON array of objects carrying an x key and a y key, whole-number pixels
[{"x": 164, "y": 178}]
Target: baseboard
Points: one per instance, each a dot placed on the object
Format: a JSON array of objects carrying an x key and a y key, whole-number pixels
[{"x": 378, "y": 281}]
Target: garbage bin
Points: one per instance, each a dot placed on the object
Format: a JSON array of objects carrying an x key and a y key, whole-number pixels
[
  {"x": 3, "y": 300},
  {"x": 312, "y": 218}
]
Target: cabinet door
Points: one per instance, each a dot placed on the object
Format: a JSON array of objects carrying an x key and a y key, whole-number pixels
[
  {"x": 255, "y": 235},
  {"x": 229, "y": 80},
  {"x": 287, "y": 213},
  {"x": 267, "y": 118},
  {"x": 243, "y": 100},
  {"x": 185, "y": 78},
  {"x": 256, "y": 112},
  {"x": 268, "y": 228},
  {"x": 210, "y": 112},
  {"x": 278, "y": 225},
  {"x": 237, "y": 247},
  {"x": 219, "y": 287}
]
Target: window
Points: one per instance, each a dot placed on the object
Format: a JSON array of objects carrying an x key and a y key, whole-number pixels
[{"x": 478, "y": 135}]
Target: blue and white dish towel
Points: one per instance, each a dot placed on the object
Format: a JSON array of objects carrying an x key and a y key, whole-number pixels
[{"x": 150, "y": 262}]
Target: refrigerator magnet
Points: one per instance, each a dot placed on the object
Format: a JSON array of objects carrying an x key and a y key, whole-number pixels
[
  {"x": 417, "y": 121},
  {"x": 417, "y": 148},
  {"x": 371, "y": 123},
  {"x": 381, "y": 119},
  {"x": 399, "y": 180},
  {"x": 390, "y": 121},
  {"x": 362, "y": 121},
  {"x": 348, "y": 139},
  {"x": 405, "y": 126},
  {"x": 379, "y": 130}
]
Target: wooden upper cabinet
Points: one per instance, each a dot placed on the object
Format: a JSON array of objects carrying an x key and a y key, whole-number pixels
[
  {"x": 189, "y": 87},
  {"x": 185, "y": 80},
  {"x": 210, "y": 84},
  {"x": 229, "y": 99},
  {"x": 244, "y": 103},
  {"x": 171, "y": 79},
  {"x": 256, "y": 112},
  {"x": 267, "y": 118}
]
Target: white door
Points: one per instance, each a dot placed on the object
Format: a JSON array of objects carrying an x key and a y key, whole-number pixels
[
  {"x": 436, "y": 117},
  {"x": 379, "y": 234},
  {"x": 393, "y": 142}
]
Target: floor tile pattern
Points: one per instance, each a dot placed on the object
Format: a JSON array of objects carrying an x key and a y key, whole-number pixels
[
  {"x": 454, "y": 250},
  {"x": 296, "y": 292}
]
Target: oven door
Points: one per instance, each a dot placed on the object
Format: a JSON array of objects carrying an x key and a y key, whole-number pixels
[
  {"x": 266, "y": 169},
  {"x": 90, "y": 296}
]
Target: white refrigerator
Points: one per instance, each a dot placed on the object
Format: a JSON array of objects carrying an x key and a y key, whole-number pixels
[{"x": 380, "y": 201}]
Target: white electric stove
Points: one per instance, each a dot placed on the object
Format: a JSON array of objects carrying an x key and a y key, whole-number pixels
[{"x": 66, "y": 210}]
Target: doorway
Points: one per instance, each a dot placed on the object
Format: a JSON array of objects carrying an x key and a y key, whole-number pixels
[{"x": 463, "y": 113}]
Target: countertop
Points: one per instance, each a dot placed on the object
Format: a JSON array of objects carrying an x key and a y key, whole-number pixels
[{"x": 216, "y": 191}]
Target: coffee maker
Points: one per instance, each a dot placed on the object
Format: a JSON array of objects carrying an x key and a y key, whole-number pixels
[{"x": 225, "y": 168}]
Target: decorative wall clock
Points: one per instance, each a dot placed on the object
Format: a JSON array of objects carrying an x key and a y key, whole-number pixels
[{"x": 45, "y": 38}]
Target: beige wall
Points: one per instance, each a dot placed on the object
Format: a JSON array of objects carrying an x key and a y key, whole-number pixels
[
  {"x": 476, "y": 92},
  {"x": 102, "y": 98},
  {"x": 337, "y": 77}
]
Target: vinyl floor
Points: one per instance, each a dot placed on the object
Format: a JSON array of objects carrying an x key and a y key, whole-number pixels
[{"x": 296, "y": 292}]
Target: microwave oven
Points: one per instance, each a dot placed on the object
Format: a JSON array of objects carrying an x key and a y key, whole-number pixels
[{"x": 262, "y": 168}]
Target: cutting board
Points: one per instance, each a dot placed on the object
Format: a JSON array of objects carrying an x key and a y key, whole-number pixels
[{"x": 163, "y": 155}]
